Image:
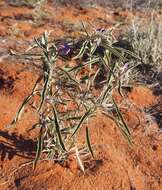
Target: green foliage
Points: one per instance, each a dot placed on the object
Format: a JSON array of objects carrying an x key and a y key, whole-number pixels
[{"x": 62, "y": 85}]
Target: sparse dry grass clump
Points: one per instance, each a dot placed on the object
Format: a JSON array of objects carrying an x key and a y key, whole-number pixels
[
  {"x": 31, "y": 3},
  {"x": 65, "y": 93},
  {"x": 146, "y": 39},
  {"x": 38, "y": 6},
  {"x": 145, "y": 35}
]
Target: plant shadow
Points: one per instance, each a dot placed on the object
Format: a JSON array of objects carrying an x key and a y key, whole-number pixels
[
  {"x": 6, "y": 82},
  {"x": 156, "y": 112},
  {"x": 16, "y": 145},
  {"x": 150, "y": 75}
]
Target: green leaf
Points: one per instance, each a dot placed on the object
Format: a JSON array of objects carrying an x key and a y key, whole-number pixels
[
  {"x": 82, "y": 50},
  {"x": 120, "y": 88},
  {"x": 121, "y": 117},
  {"x": 26, "y": 100},
  {"x": 58, "y": 129},
  {"x": 44, "y": 91},
  {"x": 81, "y": 121},
  {"x": 128, "y": 52},
  {"x": 39, "y": 147},
  {"x": 40, "y": 45},
  {"x": 125, "y": 134},
  {"x": 69, "y": 76},
  {"x": 121, "y": 128},
  {"x": 88, "y": 142},
  {"x": 114, "y": 50},
  {"x": 95, "y": 60},
  {"x": 110, "y": 77}
]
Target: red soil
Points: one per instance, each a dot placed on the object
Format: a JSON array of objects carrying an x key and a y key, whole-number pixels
[{"x": 117, "y": 166}]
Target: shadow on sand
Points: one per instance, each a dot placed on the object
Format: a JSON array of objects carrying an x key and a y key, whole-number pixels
[{"x": 16, "y": 145}]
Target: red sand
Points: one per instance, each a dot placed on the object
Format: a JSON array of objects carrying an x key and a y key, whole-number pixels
[{"x": 117, "y": 166}]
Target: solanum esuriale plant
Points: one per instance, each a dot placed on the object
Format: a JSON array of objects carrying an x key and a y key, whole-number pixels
[{"x": 66, "y": 91}]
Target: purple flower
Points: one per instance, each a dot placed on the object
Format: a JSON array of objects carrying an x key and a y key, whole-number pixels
[
  {"x": 100, "y": 30},
  {"x": 125, "y": 67},
  {"x": 64, "y": 49}
]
